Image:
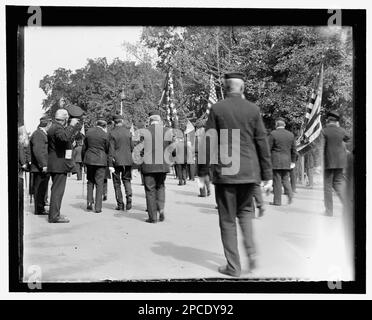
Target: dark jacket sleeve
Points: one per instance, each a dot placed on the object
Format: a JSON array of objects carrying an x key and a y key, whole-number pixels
[
  {"x": 263, "y": 149},
  {"x": 293, "y": 151},
  {"x": 346, "y": 136},
  {"x": 84, "y": 149}
]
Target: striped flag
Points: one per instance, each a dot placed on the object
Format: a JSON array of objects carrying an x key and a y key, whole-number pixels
[
  {"x": 82, "y": 130},
  {"x": 167, "y": 99},
  {"x": 212, "y": 99},
  {"x": 312, "y": 126}
]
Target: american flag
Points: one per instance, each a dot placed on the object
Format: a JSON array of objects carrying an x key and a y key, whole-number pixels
[
  {"x": 312, "y": 126},
  {"x": 167, "y": 98},
  {"x": 212, "y": 99}
]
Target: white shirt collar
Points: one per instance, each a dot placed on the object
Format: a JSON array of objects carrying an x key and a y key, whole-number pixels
[{"x": 43, "y": 129}]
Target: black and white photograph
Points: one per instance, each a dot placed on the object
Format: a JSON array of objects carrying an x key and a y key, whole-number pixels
[{"x": 163, "y": 152}]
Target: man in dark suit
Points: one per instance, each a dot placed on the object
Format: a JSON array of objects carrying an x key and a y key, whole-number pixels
[
  {"x": 283, "y": 158},
  {"x": 122, "y": 147},
  {"x": 59, "y": 160},
  {"x": 333, "y": 139},
  {"x": 154, "y": 167},
  {"x": 39, "y": 163},
  {"x": 235, "y": 177},
  {"x": 96, "y": 157},
  {"x": 76, "y": 155}
]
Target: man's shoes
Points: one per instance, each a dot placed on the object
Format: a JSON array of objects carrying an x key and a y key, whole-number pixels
[
  {"x": 184, "y": 182},
  {"x": 118, "y": 207},
  {"x": 180, "y": 183},
  {"x": 208, "y": 193},
  {"x": 98, "y": 211},
  {"x": 150, "y": 221},
  {"x": 290, "y": 200},
  {"x": 202, "y": 192},
  {"x": 60, "y": 220},
  {"x": 274, "y": 204},
  {"x": 161, "y": 216},
  {"x": 42, "y": 213},
  {"x": 261, "y": 211},
  {"x": 128, "y": 205},
  {"x": 226, "y": 271},
  {"x": 89, "y": 206},
  {"x": 328, "y": 214},
  {"x": 216, "y": 207},
  {"x": 104, "y": 198},
  {"x": 251, "y": 262}
]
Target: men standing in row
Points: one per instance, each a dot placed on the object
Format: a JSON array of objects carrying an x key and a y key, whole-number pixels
[
  {"x": 122, "y": 147},
  {"x": 155, "y": 170},
  {"x": 39, "y": 163},
  {"x": 283, "y": 157},
  {"x": 335, "y": 159},
  {"x": 59, "y": 161},
  {"x": 95, "y": 153},
  {"x": 234, "y": 190}
]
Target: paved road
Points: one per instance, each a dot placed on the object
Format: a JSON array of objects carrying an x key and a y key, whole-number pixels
[{"x": 293, "y": 241}]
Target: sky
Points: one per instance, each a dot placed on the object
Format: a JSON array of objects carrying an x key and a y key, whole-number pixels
[{"x": 50, "y": 48}]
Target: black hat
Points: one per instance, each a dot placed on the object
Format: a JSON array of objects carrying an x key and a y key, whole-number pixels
[
  {"x": 154, "y": 113},
  {"x": 44, "y": 121},
  {"x": 234, "y": 75},
  {"x": 333, "y": 114},
  {"x": 74, "y": 111},
  {"x": 118, "y": 117}
]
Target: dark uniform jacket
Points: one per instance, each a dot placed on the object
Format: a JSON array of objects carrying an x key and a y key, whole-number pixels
[
  {"x": 96, "y": 148},
  {"x": 255, "y": 163},
  {"x": 283, "y": 149},
  {"x": 59, "y": 140},
  {"x": 76, "y": 153},
  {"x": 39, "y": 150},
  {"x": 121, "y": 146},
  {"x": 160, "y": 134},
  {"x": 333, "y": 139}
]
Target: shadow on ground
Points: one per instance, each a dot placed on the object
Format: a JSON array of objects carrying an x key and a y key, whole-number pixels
[{"x": 204, "y": 258}]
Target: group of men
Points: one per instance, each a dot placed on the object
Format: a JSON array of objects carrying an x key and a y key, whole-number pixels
[{"x": 264, "y": 160}]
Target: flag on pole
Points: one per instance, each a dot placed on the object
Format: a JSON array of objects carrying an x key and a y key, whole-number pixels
[
  {"x": 212, "y": 99},
  {"x": 189, "y": 127},
  {"x": 312, "y": 126},
  {"x": 167, "y": 99},
  {"x": 82, "y": 130}
]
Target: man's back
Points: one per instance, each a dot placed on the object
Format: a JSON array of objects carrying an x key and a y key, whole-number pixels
[
  {"x": 122, "y": 146},
  {"x": 39, "y": 150},
  {"x": 254, "y": 155},
  {"x": 96, "y": 147},
  {"x": 282, "y": 145},
  {"x": 153, "y": 153},
  {"x": 334, "y": 147}
]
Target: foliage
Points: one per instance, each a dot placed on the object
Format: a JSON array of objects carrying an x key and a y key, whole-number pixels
[
  {"x": 280, "y": 64},
  {"x": 97, "y": 88}
]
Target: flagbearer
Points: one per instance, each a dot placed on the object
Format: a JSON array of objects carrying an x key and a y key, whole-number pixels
[
  {"x": 335, "y": 158},
  {"x": 122, "y": 147}
]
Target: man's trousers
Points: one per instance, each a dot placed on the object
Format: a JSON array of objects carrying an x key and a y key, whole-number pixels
[
  {"x": 333, "y": 179},
  {"x": 124, "y": 174},
  {"x": 235, "y": 201},
  {"x": 40, "y": 190},
  {"x": 281, "y": 178},
  {"x": 56, "y": 195},
  {"x": 155, "y": 193},
  {"x": 95, "y": 177}
]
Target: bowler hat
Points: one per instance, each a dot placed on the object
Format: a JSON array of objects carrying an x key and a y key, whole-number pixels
[
  {"x": 154, "y": 113},
  {"x": 333, "y": 114},
  {"x": 234, "y": 75},
  {"x": 118, "y": 117},
  {"x": 74, "y": 111}
]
